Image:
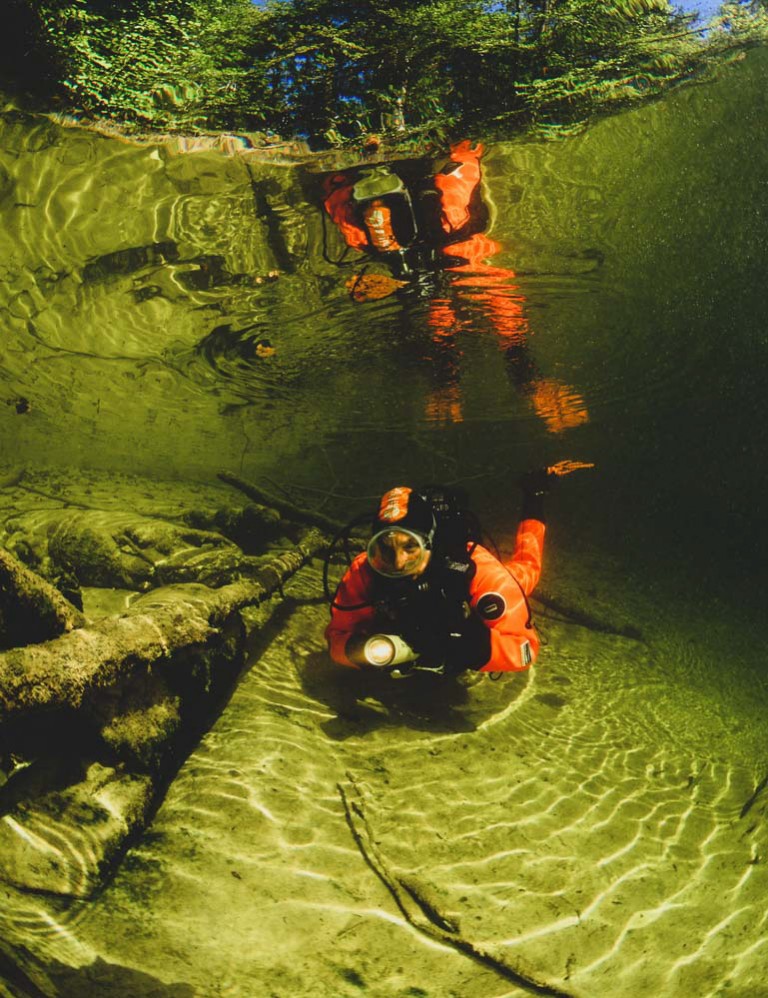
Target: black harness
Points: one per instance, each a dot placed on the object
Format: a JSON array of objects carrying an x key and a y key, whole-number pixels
[{"x": 432, "y": 614}]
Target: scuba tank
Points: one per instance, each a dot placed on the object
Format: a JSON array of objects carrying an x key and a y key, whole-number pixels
[{"x": 377, "y": 218}]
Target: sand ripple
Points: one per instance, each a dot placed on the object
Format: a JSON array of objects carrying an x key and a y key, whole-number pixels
[{"x": 556, "y": 829}]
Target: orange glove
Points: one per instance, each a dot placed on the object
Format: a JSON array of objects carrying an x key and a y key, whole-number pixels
[{"x": 561, "y": 468}]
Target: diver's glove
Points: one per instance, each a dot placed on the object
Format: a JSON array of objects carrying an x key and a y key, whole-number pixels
[{"x": 535, "y": 485}]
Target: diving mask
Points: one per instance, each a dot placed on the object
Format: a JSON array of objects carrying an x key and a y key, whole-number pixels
[{"x": 397, "y": 552}]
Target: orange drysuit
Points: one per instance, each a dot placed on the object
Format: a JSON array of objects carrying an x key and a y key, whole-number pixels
[{"x": 496, "y": 595}]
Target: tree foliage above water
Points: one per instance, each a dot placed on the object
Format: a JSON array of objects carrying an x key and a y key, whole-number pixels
[{"x": 335, "y": 69}]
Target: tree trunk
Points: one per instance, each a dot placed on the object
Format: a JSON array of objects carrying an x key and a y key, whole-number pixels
[
  {"x": 31, "y": 609},
  {"x": 283, "y": 506},
  {"x": 60, "y": 673}
]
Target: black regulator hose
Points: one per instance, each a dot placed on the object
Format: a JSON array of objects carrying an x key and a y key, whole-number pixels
[{"x": 342, "y": 534}]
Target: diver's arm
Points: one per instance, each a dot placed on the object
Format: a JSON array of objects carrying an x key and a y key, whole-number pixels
[
  {"x": 498, "y": 598},
  {"x": 500, "y": 592},
  {"x": 534, "y": 486},
  {"x": 525, "y": 563},
  {"x": 349, "y": 628},
  {"x": 352, "y": 635}
]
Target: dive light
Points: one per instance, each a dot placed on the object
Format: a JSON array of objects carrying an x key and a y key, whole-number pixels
[{"x": 387, "y": 649}]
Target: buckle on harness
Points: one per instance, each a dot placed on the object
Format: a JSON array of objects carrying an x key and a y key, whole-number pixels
[{"x": 436, "y": 670}]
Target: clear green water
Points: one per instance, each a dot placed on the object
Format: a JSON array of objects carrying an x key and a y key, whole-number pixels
[{"x": 134, "y": 285}]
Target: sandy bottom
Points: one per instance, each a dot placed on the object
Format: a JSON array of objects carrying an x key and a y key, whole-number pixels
[{"x": 331, "y": 836}]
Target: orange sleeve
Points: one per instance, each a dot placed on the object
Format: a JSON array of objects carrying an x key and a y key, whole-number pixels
[
  {"x": 354, "y": 591},
  {"x": 457, "y": 185},
  {"x": 338, "y": 204},
  {"x": 527, "y": 556},
  {"x": 498, "y": 594}
]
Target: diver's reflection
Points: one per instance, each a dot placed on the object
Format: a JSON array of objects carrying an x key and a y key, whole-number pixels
[{"x": 425, "y": 223}]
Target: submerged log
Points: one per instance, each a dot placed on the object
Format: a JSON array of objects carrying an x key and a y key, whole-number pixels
[
  {"x": 59, "y": 673},
  {"x": 283, "y": 506},
  {"x": 31, "y": 609},
  {"x": 107, "y": 548},
  {"x": 67, "y": 840},
  {"x": 105, "y": 714}
]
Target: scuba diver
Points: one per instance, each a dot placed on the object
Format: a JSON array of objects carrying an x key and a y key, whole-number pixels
[
  {"x": 408, "y": 219},
  {"x": 425, "y": 595},
  {"x": 407, "y": 216},
  {"x": 423, "y": 223}
]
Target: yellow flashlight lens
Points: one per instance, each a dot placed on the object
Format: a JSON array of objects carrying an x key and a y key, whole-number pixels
[{"x": 379, "y": 651}]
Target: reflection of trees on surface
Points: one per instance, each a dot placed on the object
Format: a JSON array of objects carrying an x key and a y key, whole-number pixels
[{"x": 332, "y": 69}]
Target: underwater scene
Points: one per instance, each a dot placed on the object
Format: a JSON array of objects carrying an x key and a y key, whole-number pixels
[{"x": 213, "y": 359}]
